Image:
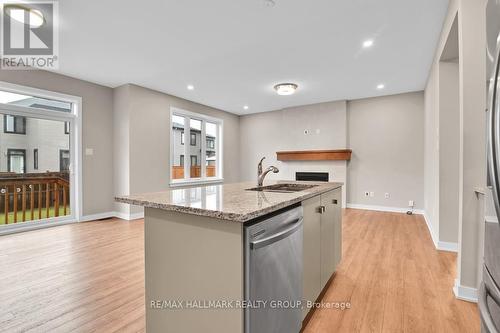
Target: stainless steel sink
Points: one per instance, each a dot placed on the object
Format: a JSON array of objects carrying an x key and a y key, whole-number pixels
[{"x": 283, "y": 188}]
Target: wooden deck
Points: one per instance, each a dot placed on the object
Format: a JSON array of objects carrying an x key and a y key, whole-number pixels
[{"x": 89, "y": 277}]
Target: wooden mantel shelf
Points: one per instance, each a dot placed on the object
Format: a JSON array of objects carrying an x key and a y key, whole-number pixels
[{"x": 315, "y": 155}]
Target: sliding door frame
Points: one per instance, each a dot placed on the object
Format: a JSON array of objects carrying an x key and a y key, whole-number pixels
[{"x": 75, "y": 136}]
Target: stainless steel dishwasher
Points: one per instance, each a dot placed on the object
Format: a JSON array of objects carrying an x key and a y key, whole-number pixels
[{"x": 273, "y": 273}]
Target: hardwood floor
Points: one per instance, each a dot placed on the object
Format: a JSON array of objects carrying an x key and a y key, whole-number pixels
[
  {"x": 394, "y": 279},
  {"x": 89, "y": 277},
  {"x": 81, "y": 277}
]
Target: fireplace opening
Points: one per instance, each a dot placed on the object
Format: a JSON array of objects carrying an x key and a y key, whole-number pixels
[{"x": 312, "y": 176}]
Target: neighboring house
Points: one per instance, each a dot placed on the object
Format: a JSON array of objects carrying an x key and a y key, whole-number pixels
[
  {"x": 194, "y": 142},
  {"x": 30, "y": 145}
]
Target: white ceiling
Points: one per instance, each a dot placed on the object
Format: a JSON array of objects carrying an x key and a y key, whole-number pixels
[{"x": 234, "y": 51}]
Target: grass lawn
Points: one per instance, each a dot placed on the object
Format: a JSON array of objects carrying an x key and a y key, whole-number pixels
[{"x": 28, "y": 215}]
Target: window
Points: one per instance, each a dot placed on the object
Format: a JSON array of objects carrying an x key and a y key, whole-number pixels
[
  {"x": 35, "y": 159},
  {"x": 16, "y": 160},
  {"x": 210, "y": 143},
  {"x": 66, "y": 127},
  {"x": 14, "y": 124},
  {"x": 203, "y": 164},
  {"x": 64, "y": 160}
]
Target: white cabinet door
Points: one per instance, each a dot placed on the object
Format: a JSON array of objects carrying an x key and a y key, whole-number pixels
[
  {"x": 336, "y": 205},
  {"x": 327, "y": 237},
  {"x": 312, "y": 250}
]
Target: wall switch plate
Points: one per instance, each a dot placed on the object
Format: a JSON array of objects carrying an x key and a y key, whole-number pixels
[
  {"x": 372, "y": 194},
  {"x": 411, "y": 203},
  {"x": 89, "y": 151},
  {"x": 387, "y": 196}
]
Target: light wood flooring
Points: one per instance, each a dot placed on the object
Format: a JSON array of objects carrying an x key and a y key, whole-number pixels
[{"x": 89, "y": 277}]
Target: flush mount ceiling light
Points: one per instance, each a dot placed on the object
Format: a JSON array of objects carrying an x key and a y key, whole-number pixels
[
  {"x": 368, "y": 43},
  {"x": 381, "y": 86},
  {"x": 17, "y": 12},
  {"x": 285, "y": 89},
  {"x": 269, "y": 3},
  {"x": 245, "y": 107},
  {"x": 190, "y": 87}
]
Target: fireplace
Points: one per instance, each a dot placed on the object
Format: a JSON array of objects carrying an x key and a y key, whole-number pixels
[{"x": 312, "y": 176}]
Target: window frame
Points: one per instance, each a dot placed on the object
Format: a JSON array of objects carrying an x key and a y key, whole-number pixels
[
  {"x": 35, "y": 159},
  {"x": 192, "y": 139},
  {"x": 75, "y": 119},
  {"x": 15, "y": 126},
  {"x": 17, "y": 152},
  {"x": 203, "y": 179}
]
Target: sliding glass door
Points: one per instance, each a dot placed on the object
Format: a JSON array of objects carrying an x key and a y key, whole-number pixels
[{"x": 37, "y": 160}]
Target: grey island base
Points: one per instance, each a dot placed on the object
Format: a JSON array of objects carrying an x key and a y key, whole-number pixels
[{"x": 195, "y": 251}]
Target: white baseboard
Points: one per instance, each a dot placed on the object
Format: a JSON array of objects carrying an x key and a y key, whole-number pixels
[
  {"x": 384, "y": 208},
  {"x": 447, "y": 246},
  {"x": 440, "y": 245},
  {"x": 129, "y": 217},
  {"x": 465, "y": 293},
  {"x": 98, "y": 216},
  {"x": 431, "y": 232}
]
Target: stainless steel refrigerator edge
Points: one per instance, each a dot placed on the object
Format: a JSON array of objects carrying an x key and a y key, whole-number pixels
[
  {"x": 489, "y": 292},
  {"x": 273, "y": 272}
]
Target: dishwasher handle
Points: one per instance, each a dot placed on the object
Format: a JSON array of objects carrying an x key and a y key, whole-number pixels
[{"x": 294, "y": 226}]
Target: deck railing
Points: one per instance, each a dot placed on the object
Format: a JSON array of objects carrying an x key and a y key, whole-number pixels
[
  {"x": 178, "y": 171},
  {"x": 26, "y": 197}
]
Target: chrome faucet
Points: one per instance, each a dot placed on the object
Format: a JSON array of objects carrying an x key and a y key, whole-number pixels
[{"x": 261, "y": 175}]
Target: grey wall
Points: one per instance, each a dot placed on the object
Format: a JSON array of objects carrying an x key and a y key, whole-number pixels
[
  {"x": 386, "y": 135},
  {"x": 472, "y": 156},
  {"x": 147, "y": 121},
  {"x": 449, "y": 151},
  {"x": 263, "y": 134},
  {"x": 97, "y": 120}
]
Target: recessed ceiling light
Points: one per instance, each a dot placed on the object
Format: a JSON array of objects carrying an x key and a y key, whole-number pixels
[
  {"x": 17, "y": 13},
  {"x": 285, "y": 88},
  {"x": 190, "y": 87},
  {"x": 245, "y": 107},
  {"x": 368, "y": 43},
  {"x": 381, "y": 86}
]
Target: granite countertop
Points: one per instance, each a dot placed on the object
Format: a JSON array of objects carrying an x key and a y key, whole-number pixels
[{"x": 230, "y": 202}]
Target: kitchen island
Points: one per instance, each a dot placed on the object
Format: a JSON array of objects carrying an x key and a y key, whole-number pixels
[{"x": 195, "y": 250}]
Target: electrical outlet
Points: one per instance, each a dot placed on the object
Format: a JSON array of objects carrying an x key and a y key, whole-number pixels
[
  {"x": 367, "y": 194},
  {"x": 411, "y": 203},
  {"x": 372, "y": 194},
  {"x": 387, "y": 196}
]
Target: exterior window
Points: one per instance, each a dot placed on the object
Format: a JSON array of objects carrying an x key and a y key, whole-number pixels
[
  {"x": 203, "y": 162},
  {"x": 14, "y": 124},
  {"x": 64, "y": 160},
  {"x": 210, "y": 143},
  {"x": 66, "y": 127},
  {"x": 16, "y": 160},
  {"x": 35, "y": 159}
]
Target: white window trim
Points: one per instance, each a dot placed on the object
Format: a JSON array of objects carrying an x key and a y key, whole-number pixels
[
  {"x": 187, "y": 161},
  {"x": 75, "y": 120}
]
